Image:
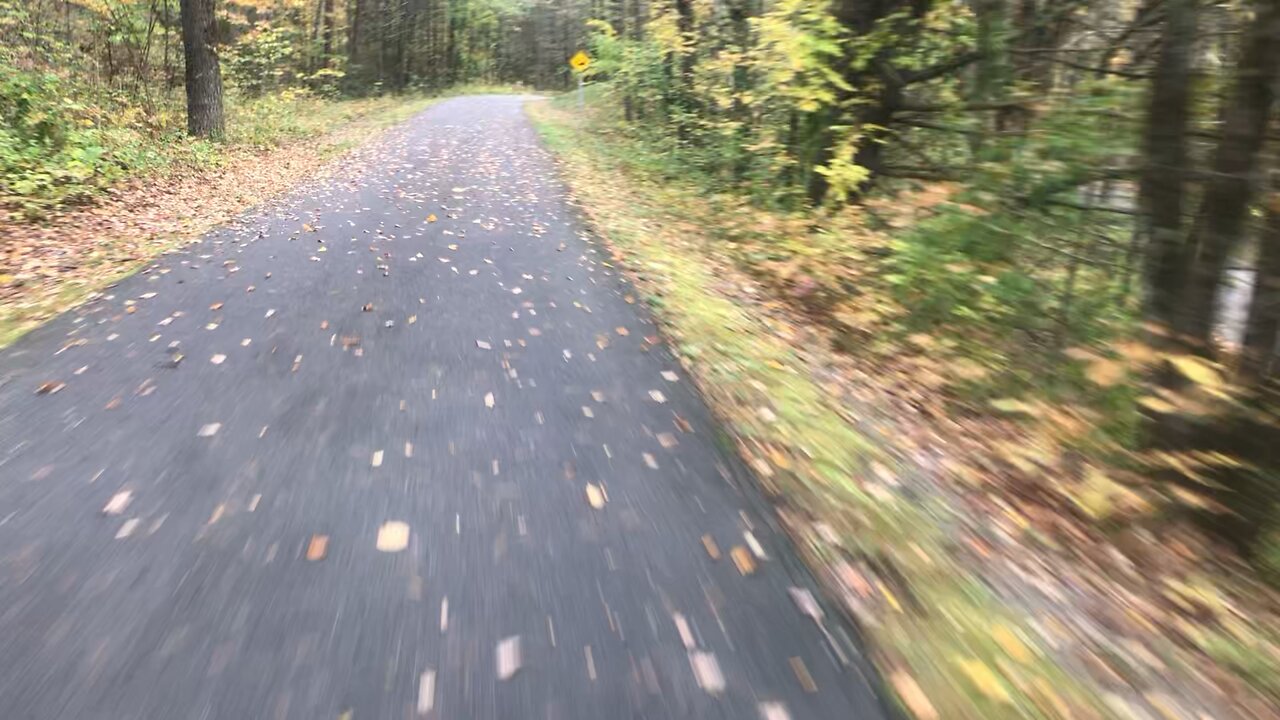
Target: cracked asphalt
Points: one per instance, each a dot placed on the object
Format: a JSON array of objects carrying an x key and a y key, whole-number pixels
[{"x": 401, "y": 444}]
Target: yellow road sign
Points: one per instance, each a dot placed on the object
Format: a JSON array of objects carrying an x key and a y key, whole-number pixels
[{"x": 580, "y": 62}]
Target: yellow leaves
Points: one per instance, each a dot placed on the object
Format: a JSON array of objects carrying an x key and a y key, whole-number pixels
[
  {"x": 1100, "y": 497},
  {"x": 984, "y": 679},
  {"x": 1011, "y": 644},
  {"x": 912, "y": 696},
  {"x": 1013, "y": 406},
  {"x": 889, "y": 596},
  {"x": 1197, "y": 370},
  {"x": 1197, "y": 500},
  {"x": 1157, "y": 405},
  {"x": 432, "y": 218}
]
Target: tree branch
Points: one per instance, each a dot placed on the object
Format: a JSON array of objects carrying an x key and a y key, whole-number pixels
[{"x": 955, "y": 63}]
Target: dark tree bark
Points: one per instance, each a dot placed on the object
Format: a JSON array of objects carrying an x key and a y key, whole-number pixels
[
  {"x": 327, "y": 33},
  {"x": 1225, "y": 206},
  {"x": 1162, "y": 186},
  {"x": 203, "y": 74},
  {"x": 1263, "y": 327},
  {"x": 680, "y": 68},
  {"x": 408, "y": 43},
  {"x": 356, "y": 13}
]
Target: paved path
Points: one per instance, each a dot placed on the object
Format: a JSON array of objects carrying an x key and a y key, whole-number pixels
[{"x": 190, "y": 518}]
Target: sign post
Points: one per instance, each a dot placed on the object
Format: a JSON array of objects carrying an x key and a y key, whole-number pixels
[{"x": 580, "y": 62}]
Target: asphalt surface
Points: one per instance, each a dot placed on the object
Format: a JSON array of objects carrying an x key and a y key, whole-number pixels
[{"x": 332, "y": 462}]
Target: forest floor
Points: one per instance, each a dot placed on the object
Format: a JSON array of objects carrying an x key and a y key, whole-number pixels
[
  {"x": 52, "y": 264},
  {"x": 980, "y": 597}
]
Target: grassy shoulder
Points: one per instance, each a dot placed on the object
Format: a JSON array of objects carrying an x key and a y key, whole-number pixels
[
  {"x": 57, "y": 253},
  {"x": 813, "y": 456},
  {"x": 977, "y": 601}
]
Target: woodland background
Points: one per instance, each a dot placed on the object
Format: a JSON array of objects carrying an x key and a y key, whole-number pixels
[{"x": 1053, "y": 222}]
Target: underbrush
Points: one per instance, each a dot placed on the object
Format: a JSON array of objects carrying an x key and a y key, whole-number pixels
[
  {"x": 64, "y": 141},
  {"x": 905, "y": 328}
]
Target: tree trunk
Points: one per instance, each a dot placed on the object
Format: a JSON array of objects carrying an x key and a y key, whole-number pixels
[
  {"x": 877, "y": 80},
  {"x": 355, "y": 11},
  {"x": 1225, "y": 206},
  {"x": 327, "y": 34},
  {"x": 408, "y": 41},
  {"x": 1263, "y": 327},
  {"x": 203, "y": 75},
  {"x": 680, "y": 67},
  {"x": 1162, "y": 184}
]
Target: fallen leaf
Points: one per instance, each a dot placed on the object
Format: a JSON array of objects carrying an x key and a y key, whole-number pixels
[
  {"x": 1011, "y": 406},
  {"x": 1011, "y": 644},
  {"x": 377, "y": 458},
  {"x": 706, "y": 670},
  {"x": 983, "y": 678},
  {"x": 1105, "y": 372},
  {"x": 1157, "y": 405},
  {"x": 393, "y": 536},
  {"x": 508, "y": 657},
  {"x": 595, "y": 496},
  {"x": 806, "y": 602},
  {"x": 743, "y": 560},
  {"x": 774, "y": 710},
  {"x": 803, "y": 675},
  {"x": 682, "y": 627},
  {"x": 209, "y": 430},
  {"x": 1197, "y": 370},
  {"x": 318, "y": 548},
  {"x": 426, "y": 692},
  {"x": 488, "y": 400},
  {"x": 912, "y": 696},
  {"x": 118, "y": 503},
  {"x": 50, "y": 387},
  {"x": 756, "y": 548},
  {"x": 713, "y": 550}
]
